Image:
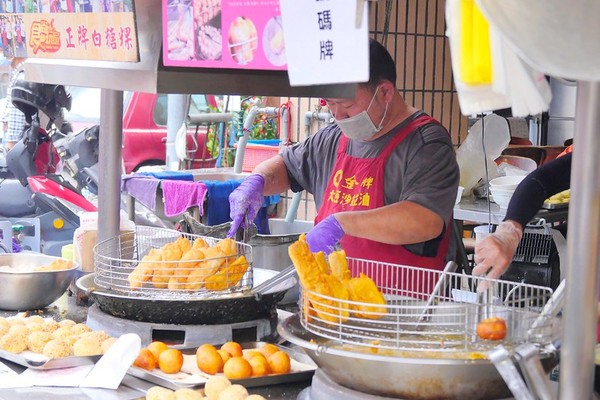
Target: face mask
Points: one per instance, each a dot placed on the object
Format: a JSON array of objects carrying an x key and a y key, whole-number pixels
[{"x": 360, "y": 126}]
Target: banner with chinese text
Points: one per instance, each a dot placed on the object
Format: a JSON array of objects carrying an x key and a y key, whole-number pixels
[
  {"x": 239, "y": 34},
  {"x": 83, "y": 30}
]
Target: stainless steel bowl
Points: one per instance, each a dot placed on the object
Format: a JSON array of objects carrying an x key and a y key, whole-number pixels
[{"x": 23, "y": 289}]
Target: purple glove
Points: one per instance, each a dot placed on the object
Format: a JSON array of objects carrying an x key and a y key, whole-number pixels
[
  {"x": 245, "y": 202},
  {"x": 325, "y": 235}
]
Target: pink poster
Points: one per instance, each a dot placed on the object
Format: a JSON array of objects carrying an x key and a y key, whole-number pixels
[{"x": 243, "y": 34}]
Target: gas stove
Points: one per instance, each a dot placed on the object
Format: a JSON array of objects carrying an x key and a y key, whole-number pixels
[
  {"x": 324, "y": 388},
  {"x": 184, "y": 336}
]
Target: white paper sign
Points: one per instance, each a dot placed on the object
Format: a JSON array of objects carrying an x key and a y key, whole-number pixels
[{"x": 323, "y": 44}]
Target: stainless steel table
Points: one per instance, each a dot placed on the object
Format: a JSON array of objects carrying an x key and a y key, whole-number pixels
[
  {"x": 477, "y": 210},
  {"x": 480, "y": 211},
  {"x": 131, "y": 387}
]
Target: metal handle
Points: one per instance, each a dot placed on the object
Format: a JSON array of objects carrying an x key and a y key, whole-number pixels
[
  {"x": 504, "y": 364},
  {"x": 274, "y": 281},
  {"x": 441, "y": 284},
  {"x": 533, "y": 371},
  {"x": 552, "y": 307}
]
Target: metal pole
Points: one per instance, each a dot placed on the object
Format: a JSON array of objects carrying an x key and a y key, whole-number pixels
[
  {"x": 580, "y": 319},
  {"x": 109, "y": 162},
  {"x": 177, "y": 109}
]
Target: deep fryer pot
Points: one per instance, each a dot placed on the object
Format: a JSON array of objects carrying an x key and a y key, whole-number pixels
[{"x": 217, "y": 310}]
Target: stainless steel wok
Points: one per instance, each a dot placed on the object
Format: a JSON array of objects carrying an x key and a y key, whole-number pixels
[
  {"x": 405, "y": 378},
  {"x": 423, "y": 344}
]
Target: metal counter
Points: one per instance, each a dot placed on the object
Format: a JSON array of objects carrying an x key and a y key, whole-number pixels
[
  {"x": 477, "y": 210},
  {"x": 66, "y": 307}
]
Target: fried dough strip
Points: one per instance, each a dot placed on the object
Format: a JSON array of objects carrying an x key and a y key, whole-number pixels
[
  {"x": 362, "y": 289},
  {"x": 170, "y": 255},
  {"x": 144, "y": 270},
  {"x": 190, "y": 260},
  {"x": 213, "y": 259},
  {"x": 307, "y": 267},
  {"x": 228, "y": 276},
  {"x": 339, "y": 265}
]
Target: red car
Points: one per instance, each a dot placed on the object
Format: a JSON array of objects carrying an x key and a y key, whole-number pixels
[{"x": 144, "y": 125}]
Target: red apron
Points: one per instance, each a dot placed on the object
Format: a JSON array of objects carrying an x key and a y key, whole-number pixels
[{"x": 357, "y": 184}]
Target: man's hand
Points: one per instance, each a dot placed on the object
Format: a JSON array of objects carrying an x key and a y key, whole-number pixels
[
  {"x": 325, "y": 235},
  {"x": 245, "y": 202},
  {"x": 494, "y": 253}
]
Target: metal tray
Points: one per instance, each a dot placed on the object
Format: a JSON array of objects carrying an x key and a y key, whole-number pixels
[
  {"x": 302, "y": 369},
  {"x": 558, "y": 206},
  {"x": 39, "y": 361}
]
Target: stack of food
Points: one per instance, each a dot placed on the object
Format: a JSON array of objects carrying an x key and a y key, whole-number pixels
[
  {"x": 561, "y": 198},
  {"x": 51, "y": 338},
  {"x": 216, "y": 388},
  {"x": 325, "y": 279},
  {"x": 183, "y": 265},
  {"x": 229, "y": 359}
]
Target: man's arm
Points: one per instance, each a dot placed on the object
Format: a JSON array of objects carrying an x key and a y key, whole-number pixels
[
  {"x": 401, "y": 223},
  {"x": 275, "y": 173}
]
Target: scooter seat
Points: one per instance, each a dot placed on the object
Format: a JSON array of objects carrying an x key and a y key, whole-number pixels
[{"x": 15, "y": 200}]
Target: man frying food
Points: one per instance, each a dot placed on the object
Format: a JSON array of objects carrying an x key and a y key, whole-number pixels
[{"x": 384, "y": 177}]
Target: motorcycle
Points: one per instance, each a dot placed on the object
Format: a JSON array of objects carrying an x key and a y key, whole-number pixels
[
  {"x": 40, "y": 204},
  {"x": 51, "y": 175}
]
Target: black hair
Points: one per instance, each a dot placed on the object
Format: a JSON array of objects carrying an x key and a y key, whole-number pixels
[{"x": 381, "y": 64}]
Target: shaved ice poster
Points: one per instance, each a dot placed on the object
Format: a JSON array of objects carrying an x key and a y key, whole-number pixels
[{"x": 238, "y": 34}]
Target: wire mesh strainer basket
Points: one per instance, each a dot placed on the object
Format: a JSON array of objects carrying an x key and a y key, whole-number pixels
[
  {"x": 162, "y": 263},
  {"x": 416, "y": 321}
]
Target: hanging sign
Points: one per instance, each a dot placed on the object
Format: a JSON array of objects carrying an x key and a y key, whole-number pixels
[
  {"x": 327, "y": 41},
  {"x": 238, "y": 34},
  {"x": 96, "y": 30}
]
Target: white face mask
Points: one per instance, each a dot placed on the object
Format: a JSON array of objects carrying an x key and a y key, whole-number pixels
[{"x": 360, "y": 126}]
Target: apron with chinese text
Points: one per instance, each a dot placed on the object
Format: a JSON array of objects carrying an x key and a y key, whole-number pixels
[{"x": 357, "y": 184}]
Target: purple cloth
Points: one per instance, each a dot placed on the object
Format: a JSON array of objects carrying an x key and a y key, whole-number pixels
[
  {"x": 141, "y": 188},
  {"x": 325, "y": 235},
  {"x": 179, "y": 195}
]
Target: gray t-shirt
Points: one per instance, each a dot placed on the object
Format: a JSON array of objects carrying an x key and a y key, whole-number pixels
[{"x": 422, "y": 168}]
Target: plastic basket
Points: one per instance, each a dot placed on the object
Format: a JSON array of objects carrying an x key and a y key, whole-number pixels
[{"x": 257, "y": 153}]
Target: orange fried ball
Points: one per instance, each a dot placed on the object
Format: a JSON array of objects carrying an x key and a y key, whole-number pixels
[
  {"x": 260, "y": 365},
  {"x": 224, "y": 355},
  {"x": 279, "y": 362},
  {"x": 237, "y": 368},
  {"x": 493, "y": 328},
  {"x": 233, "y": 348},
  {"x": 170, "y": 361},
  {"x": 156, "y": 348},
  {"x": 267, "y": 349},
  {"x": 208, "y": 359},
  {"x": 248, "y": 354},
  {"x": 146, "y": 360}
]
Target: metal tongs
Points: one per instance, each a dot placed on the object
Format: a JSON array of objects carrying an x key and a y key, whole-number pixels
[
  {"x": 271, "y": 283},
  {"x": 440, "y": 286},
  {"x": 242, "y": 233}
]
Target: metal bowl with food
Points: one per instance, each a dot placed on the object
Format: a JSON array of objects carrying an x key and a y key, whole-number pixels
[{"x": 31, "y": 280}]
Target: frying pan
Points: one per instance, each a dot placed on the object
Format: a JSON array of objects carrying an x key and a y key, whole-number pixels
[{"x": 218, "y": 310}]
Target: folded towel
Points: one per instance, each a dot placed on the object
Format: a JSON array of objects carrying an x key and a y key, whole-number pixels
[
  {"x": 217, "y": 212},
  {"x": 217, "y": 193},
  {"x": 179, "y": 195},
  {"x": 172, "y": 175},
  {"x": 141, "y": 188}
]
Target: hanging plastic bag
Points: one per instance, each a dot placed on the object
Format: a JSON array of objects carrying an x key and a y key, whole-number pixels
[
  {"x": 473, "y": 99},
  {"x": 494, "y": 133},
  {"x": 478, "y": 51}
]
